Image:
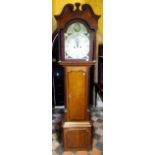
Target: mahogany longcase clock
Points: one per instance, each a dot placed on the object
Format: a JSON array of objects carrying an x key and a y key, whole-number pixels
[{"x": 77, "y": 27}]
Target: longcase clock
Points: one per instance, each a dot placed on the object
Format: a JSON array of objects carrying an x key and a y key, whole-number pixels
[{"x": 77, "y": 27}]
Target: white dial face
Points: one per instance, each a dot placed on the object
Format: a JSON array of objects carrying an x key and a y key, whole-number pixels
[{"x": 77, "y": 42}]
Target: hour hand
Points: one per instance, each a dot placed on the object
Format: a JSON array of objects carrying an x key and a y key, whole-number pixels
[{"x": 77, "y": 43}]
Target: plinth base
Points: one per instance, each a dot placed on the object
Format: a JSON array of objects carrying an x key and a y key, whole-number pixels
[{"x": 77, "y": 136}]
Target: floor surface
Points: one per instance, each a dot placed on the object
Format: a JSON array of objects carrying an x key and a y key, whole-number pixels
[{"x": 97, "y": 119}]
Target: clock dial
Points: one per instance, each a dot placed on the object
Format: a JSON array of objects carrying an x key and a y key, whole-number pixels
[{"x": 77, "y": 42}]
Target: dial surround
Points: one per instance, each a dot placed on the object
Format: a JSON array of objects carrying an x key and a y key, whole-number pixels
[{"x": 77, "y": 42}]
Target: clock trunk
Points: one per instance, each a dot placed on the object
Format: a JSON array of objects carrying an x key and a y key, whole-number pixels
[{"x": 77, "y": 88}]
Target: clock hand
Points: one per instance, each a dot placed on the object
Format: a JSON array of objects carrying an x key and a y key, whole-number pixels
[{"x": 77, "y": 43}]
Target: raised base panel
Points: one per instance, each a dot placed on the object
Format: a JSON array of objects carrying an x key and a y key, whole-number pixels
[{"x": 77, "y": 136}]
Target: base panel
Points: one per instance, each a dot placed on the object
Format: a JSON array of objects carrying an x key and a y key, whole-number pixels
[{"x": 77, "y": 136}]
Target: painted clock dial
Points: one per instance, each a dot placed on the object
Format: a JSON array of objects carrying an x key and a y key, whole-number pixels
[{"x": 77, "y": 42}]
